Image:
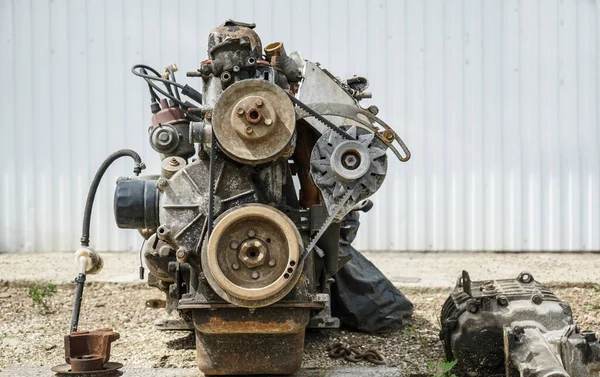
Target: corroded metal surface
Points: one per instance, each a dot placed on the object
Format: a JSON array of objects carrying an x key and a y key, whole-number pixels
[
  {"x": 239, "y": 341},
  {"x": 515, "y": 327},
  {"x": 87, "y": 354}
]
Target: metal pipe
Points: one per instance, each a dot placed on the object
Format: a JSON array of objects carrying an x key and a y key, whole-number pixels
[{"x": 80, "y": 280}]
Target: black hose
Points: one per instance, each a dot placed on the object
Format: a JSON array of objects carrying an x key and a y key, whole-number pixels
[{"x": 89, "y": 203}]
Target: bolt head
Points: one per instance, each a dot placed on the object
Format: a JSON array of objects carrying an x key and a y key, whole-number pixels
[
  {"x": 249, "y": 130},
  {"x": 272, "y": 262},
  {"x": 234, "y": 245},
  {"x": 255, "y": 275},
  {"x": 258, "y": 103},
  {"x": 181, "y": 254},
  {"x": 350, "y": 160},
  {"x": 163, "y": 136},
  {"x": 472, "y": 307},
  {"x": 161, "y": 183},
  {"x": 251, "y": 233},
  {"x": 235, "y": 266},
  {"x": 252, "y": 253},
  {"x": 537, "y": 299},
  {"x": 268, "y": 122},
  {"x": 240, "y": 111},
  {"x": 388, "y": 135}
]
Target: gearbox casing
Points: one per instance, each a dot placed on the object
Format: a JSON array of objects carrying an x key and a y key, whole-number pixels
[{"x": 514, "y": 328}]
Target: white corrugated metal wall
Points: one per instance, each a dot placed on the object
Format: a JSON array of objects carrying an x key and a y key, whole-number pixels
[{"x": 496, "y": 99}]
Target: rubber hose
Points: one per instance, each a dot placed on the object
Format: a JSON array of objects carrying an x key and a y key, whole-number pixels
[{"x": 89, "y": 203}]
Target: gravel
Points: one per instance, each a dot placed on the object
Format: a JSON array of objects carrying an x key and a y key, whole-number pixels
[{"x": 31, "y": 335}]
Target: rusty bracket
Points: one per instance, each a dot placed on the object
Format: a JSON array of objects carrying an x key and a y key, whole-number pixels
[{"x": 87, "y": 353}]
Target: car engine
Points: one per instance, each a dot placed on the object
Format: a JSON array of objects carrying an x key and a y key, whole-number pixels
[
  {"x": 242, "y": 224},
  {"x": 515, "y": 327}
]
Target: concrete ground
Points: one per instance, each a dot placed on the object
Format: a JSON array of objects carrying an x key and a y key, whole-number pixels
[{"x": 435, "y": 269}]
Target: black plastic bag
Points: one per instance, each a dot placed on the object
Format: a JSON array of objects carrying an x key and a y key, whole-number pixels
[{"x": 362, "y": 297}]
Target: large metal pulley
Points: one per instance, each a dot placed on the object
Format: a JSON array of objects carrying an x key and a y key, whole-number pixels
[
  {"x": 254, "y": 122},
  {"x": 252, "y": 256}
]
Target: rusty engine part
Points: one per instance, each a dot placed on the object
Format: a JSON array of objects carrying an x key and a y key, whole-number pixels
[
  {"x": 237, "y": 248},
  {"x": 515, "y": 328},
  {"x": 87, "y": 353}
]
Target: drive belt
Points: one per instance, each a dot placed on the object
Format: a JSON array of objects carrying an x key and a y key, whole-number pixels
[{"x": 319, "y": 117}]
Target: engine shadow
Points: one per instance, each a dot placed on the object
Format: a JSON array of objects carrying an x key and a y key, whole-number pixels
[{"x": 187, "y": 342}]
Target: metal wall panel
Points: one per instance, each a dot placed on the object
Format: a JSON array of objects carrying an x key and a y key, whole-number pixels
[{"x": 496, "y": 99}]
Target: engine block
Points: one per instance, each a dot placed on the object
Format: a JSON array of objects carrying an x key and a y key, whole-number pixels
[{"x": 242, "y": 224}]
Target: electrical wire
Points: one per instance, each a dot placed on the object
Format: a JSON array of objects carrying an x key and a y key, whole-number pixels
[
  {"x": 157, "y": 76},
  {"x": 152, "y": 92},
  {"x": 140, "y": 71},
  {"x": 149, "y": 79},
  {"x": 172, "y": 75}
]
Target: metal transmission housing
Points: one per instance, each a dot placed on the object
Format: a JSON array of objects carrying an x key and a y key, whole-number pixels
[
  {"x": 515, "y": 328},
  {"x": 244, "y": 255}
]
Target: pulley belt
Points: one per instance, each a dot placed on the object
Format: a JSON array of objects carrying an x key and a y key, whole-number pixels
[{"x": 320, "y": 118}]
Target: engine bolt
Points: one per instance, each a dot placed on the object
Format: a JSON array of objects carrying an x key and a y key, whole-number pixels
[
  {"x": 502, "y": 300},
  {"x": 254, "y": 275},
  {"x": 272, "y": 262},
  {"x": 161, "y": 183},
  {"x": 181, "y": 254},
  {"x": 268, "y": 121},
  {"x": 234, "y": 245},
  {"x": 258, "y": 103},
  {"x": 249, "y": 130},
  {"x": 240, "y": 111},
  {"x": 173, "y": 162},
  {"x": 235, "y": 266},
  {"x": 537, "y": 299},
  {"x": 388, "y": 135},
  {"x": 208, "y": 116},
  {"x": 350, "y": 160},
  {"x": 251, "y": 233}
]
